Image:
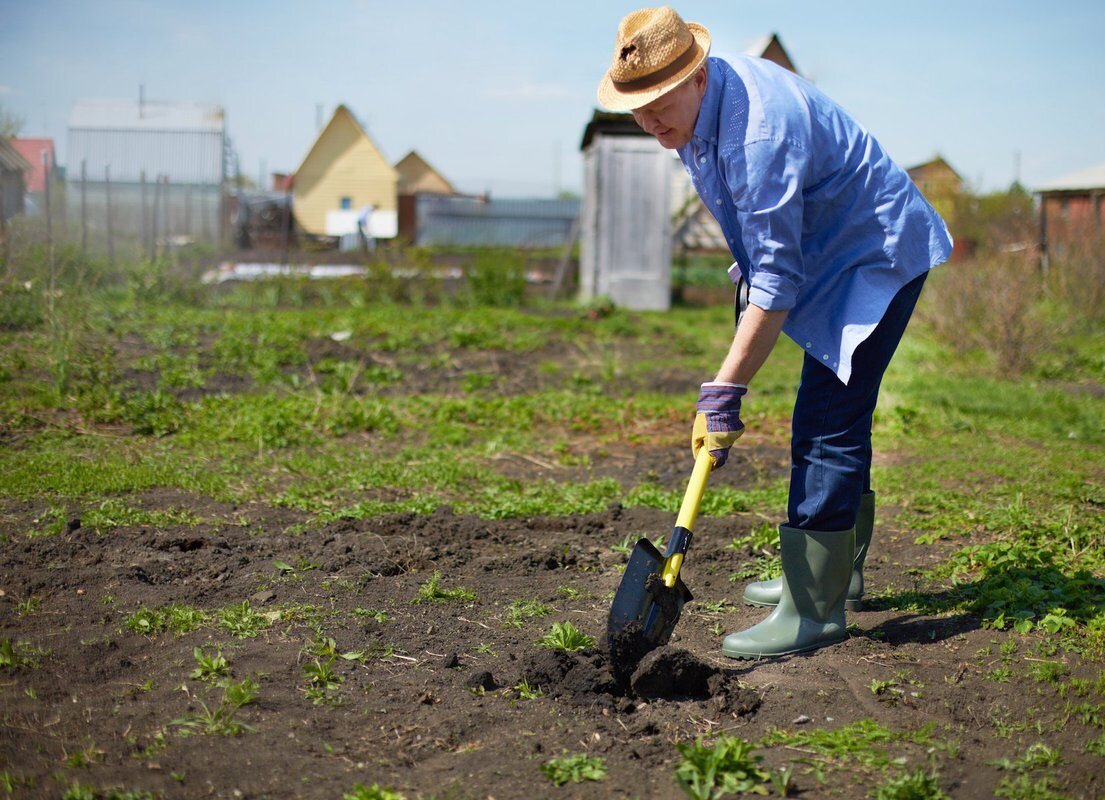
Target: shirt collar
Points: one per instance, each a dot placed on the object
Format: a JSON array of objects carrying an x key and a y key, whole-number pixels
[{"x": 705, "y": 127}]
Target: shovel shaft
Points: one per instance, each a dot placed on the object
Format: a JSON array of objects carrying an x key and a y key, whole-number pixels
[
  {"x": 696, "y": 486},
  {"x": 684, "y": 524}
]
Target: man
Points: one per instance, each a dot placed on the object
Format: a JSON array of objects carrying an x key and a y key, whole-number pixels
[{"x": 832, "y": 243}]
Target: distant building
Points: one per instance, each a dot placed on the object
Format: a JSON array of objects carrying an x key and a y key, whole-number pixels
[
  {"x": 165, "y": 163},
  {"x": 344, "y": 178},
  {"x": 941, "y": 185},
  {"x": 14, "y": 172},
  {"x": 39, "y": 153},
  {"x": 417, "y": 176},
  {"x": 1072, "y": 210}
]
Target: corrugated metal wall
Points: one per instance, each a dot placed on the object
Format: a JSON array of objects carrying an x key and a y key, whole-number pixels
[
  {"x": 185, "y": 157},
  {"x": 454, "y": 220}
]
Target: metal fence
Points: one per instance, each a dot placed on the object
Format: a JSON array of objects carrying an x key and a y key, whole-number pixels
[{"x": 475, "y": 221}]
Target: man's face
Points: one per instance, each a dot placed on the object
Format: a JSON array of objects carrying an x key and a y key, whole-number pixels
[{"x": 671, "y": 117}]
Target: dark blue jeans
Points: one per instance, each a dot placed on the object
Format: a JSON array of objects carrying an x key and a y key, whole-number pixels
[{"x": 831, "y": 430}]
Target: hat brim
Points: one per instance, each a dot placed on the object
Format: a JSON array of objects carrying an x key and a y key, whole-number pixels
[{"x": 612, "y": 98}]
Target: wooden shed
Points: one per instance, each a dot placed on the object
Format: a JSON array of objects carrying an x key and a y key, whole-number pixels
[
  {"x": 343, "y": 173},
  {"x": 1072, "y": 211},
  {"x": 625, "y": 219},
  {"x": 939, "y": 183},
  {"x": 416, "y": 176}
]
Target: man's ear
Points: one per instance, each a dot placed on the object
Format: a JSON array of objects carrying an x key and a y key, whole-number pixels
[{"x": 700, "y": 80}]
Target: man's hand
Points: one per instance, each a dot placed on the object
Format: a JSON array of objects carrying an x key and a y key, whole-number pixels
[{"x": 717, "y": 423}]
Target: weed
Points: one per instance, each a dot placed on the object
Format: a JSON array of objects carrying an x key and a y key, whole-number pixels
[
  {"x": 862, "y": 742},
  {"x": 1096, "y": 746},
  {"x": 568, "y": 592},
  {"x": 521, "y": 610},
  {"x": 16, "y": 655},
  {"x": 378, "y": 616},
  {"x": 1037, "y": 756},
  {"x": 527, "y": 692},
  {"x": 28, "y": 606},
  {"x": 717, "y": 607},
  {"x": 210, "y": 668},
  {"x": 242, "y": 621},
  {"x": 373, "y": 792},
  {"x": 918, "y": 785},
  {"x": 212, "y": 722},
  {"x": 1023, "y": 787},
  {"x": 242, "y": 693},
  {"x": 1047, "y": 671},
  {"x": 175, "y": 617},
  {"x": 432, "y": 592},
  {"x": 728, "y": 767},
  {"x": 566, "y": 637},
  {"x": 322, "y": 682},
  {"x": 574, "y": 768}
]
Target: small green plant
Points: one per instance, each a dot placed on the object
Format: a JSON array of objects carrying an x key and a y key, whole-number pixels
[
  {"x": 209, "y": 668},
  {"x": 521, "y": 610},
  {"x": 566, "y": 637},
  {"x": 242, "y": 621},
  {"x": 1047, "y": 671},
  {"x": 28, "y": 606},
  {"x": 15, "y": 655},
  {"x": 432, "y": 592},
  {"x": 175, "y": 617},
  {"x": 242, "y": 693},
  {"x": 212, "y": 722},
  {"x": 322, "y": 682},
  {"x": 368, "y": 613},
  {"x": 1037, "y": 756},
  {"x": 373, "y": 792},
  {"x": 568, "y": 592},
  {"x": 574, "y": 769},
  {"x": 919, "y": 785},
  {"x": 527, "y": 692},
  {"x": 728, "y": 767},
  {"x": 1023, "y": 787}
]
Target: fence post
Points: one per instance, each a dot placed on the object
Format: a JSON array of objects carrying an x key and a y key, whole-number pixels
[
  {"x": 48, "y": 178},
  {"x": 110, "y": 230},
  {"x": 144, "y": 237},
  {"x": 155, "y": 222},
  {"x": 84, "y": 208}
]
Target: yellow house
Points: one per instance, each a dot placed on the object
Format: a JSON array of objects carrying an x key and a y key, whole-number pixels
[
  {"x": 343, "y": 171},
  {"x": 416, "y": 176}
]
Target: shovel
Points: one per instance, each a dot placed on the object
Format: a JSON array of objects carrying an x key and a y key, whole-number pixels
[{"x": 652, "y": 595}]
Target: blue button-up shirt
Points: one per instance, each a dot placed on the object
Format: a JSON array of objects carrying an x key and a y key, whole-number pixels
[{"x": 821, "y": 222}]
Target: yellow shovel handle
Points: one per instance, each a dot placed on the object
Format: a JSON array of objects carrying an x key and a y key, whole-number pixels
[
  {"x": 696, "y": 487},
  {"x": 692, "y": 498}
]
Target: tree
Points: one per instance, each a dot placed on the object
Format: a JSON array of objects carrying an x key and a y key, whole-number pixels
[{"x": 10, "y": 124}]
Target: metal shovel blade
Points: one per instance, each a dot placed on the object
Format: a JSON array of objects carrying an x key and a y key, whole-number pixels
[{"x": 642, "y": 598}]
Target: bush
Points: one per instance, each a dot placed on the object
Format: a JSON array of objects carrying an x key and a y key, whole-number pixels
[
  {"x": 497, "y": 278},
  {"x": 992, "y": 304},
  {"x": 1076, "y": 278}
]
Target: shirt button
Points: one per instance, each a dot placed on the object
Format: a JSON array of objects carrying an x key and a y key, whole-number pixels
[
  {"x": 702, "y": 160},
  {"x": 825, "y": 357},
  {"x": 809, "y": 344},
  {"x": 718, "y": 201}
]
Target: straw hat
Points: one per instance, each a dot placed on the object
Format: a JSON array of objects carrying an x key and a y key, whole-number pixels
[{"x": 655, "y": 52}]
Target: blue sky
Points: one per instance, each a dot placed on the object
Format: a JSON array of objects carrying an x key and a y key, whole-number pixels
[{"x": 496, "y": 94}]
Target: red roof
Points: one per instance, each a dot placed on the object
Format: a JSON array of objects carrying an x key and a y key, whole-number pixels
[{"x": 31, "y": 149}]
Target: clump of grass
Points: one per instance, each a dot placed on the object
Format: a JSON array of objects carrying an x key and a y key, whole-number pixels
[
  {"x": 212, "y": 722},
  {"x": 566, "y": 637},
  {"x": 209, "y": 667},
  {"x": 728, "y": 767},
  {"x": 322, "y": 682},
  {"x": 373, "y": 792},
  {"x": 242, "y": 621},
  {"x": 177, "y": 618},
  {"x": 433, "y": 592},
  {"x": 574, "y": 768},
  {"x": 918, "y": 785},
  {"x": 521, "y": 610}
]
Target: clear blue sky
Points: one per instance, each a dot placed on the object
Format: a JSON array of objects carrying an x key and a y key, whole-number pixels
[{"x": 496, "y": 94}]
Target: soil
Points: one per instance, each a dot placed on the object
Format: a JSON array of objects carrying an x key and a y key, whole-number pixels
[{"x": 433, "y": 703}]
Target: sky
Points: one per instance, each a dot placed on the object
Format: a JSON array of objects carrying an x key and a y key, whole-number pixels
[{"x": 496, "y": 95}]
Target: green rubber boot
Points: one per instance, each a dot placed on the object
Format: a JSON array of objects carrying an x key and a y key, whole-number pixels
[
  {"x": 817, "y": 567},
  {"x": 766, "y": 593}
]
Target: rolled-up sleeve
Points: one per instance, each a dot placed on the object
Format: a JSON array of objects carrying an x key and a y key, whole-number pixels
[{"x": 767, "y": 193}]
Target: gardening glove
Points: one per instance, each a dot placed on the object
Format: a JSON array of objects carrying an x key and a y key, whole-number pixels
[{"x": 717, "y": 423}]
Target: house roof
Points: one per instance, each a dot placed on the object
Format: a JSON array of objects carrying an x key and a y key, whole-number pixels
[
  {"x": 340, "y": 112},
  {"x": 146, "y": 116},
  {"x": 927, "y": 166},
  {"x": 31, "y": 151},
  {"x": 413, "y": 169},
  {"x": 11, "y": 160},
  {"x": 770, "y": 46},
  {"x": 1083, "y": 180}
]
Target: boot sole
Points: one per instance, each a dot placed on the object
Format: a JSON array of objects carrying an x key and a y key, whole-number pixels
[
  {"x": 849, "y": 605},
  {"x": 754, "y": 656}
]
